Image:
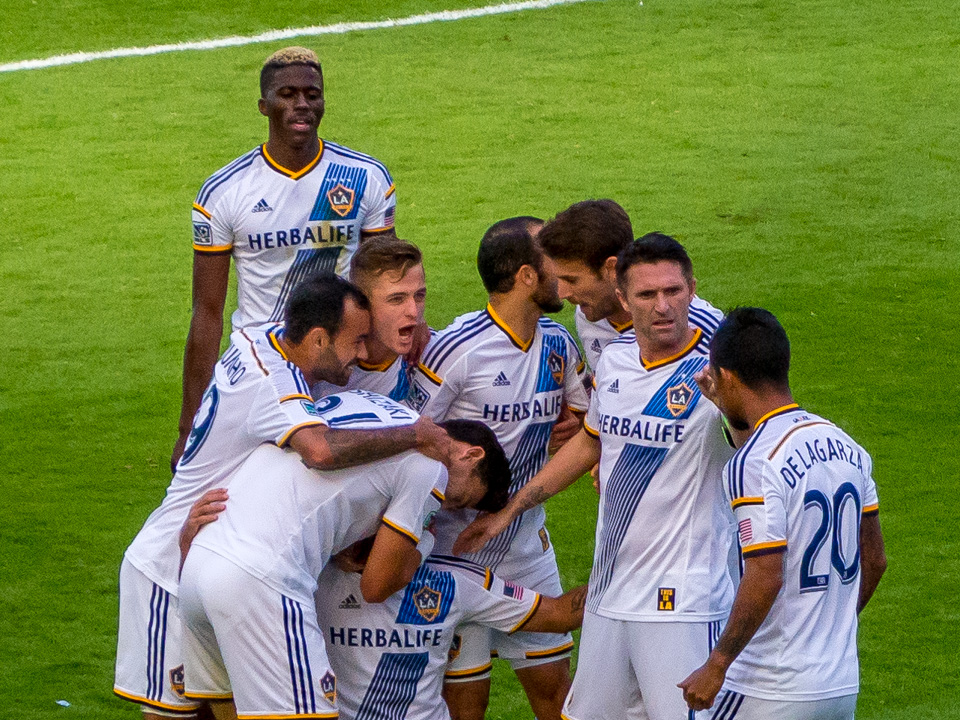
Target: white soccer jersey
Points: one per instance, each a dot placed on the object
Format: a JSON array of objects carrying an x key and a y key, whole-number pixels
[
  {"x": 800, "y": 485},
  {"x": 391, "y": 379},
  {"x": 256, "y": 395},
  {"x": 283, "y": 520},
  {"x": 477, "y": 369},
  {"x": 283, "y": 226},
  {"x": 390, "y": 657},
  {"x": 594, "y": 336},
  {"x": 664, "y": 531}
]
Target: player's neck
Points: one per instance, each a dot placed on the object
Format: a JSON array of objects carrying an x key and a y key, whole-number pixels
[
  {"x": 293, "y": 157},
  {"x": 620, "y": 318},
  {"x": 652, "y": 351},
  {"x": 296, "y": 355},
  {"x": 758, "y": 405},
  {"x": 519, "y": 313},
  {"x": 378, "y": 354}
]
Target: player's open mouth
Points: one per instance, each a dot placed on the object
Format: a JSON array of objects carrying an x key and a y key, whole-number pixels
[{"x": 406, "y": 332}]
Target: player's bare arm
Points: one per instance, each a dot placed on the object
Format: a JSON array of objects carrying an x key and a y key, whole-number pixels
[
  {"x": 574, "y": 459},
  {"x": 326, "y": 449},
  {"x": 759, "y": 587},
  {"x": 873, "y": 558},
  {"x": 204, "y": 511},
  {"x": 560, "y": 614},
  {"x": 567, "y": 425},
  {"x": 210, "y": 276},
  {"x": 392, "y": 563}
]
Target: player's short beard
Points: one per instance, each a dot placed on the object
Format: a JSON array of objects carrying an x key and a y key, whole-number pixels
[{"x": 547, "y": 299}]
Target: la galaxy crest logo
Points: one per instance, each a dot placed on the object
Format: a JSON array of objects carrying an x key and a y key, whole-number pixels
[
  {"x": 678, "y": 399},
  {"x": 176, "y": 680},
  {"x": 341, "y": 199},
  {"x": 555, "y": 366},
  {"x": 427, "y": 601},
  {"x": 328, "y": 686}
]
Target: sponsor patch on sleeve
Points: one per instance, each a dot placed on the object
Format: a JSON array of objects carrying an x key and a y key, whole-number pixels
[
  {"x": 417, "y": 397},
  {"x": 202, "y": 234}
]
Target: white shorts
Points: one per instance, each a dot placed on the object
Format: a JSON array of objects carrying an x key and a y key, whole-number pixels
[
  {"x": 630, "y": 669},
  {"x": 149, "y": 666},
  {"x": 243, "y": 639},
  {"x": 476, "y": 644},
  {"x": 731, "y": 705}
]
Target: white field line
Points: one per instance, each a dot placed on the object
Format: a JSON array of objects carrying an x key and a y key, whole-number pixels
[{"x": 272, "y": 35}]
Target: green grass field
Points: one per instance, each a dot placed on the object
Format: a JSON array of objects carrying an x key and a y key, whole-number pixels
[{"x": 806, "y": 153}]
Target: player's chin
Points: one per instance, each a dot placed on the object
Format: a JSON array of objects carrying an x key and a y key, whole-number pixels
[{"x": 403, "y": 342}]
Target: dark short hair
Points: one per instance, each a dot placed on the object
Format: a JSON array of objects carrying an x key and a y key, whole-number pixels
[
  {"x": 751, "y": 343},
  {"x": 590, "y": 231},
  {"x": 319, "y": 301},
  {"x": 494, "y": 468},
  {"x": 653, "y": 248},
  {"x": 285, "y": 58},
  {"x": 506, "y": 247},
  {"x": 383, "y": 254}
]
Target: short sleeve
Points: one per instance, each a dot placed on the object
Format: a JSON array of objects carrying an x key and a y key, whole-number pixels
[
  {"x": 870, "y": 499},
  {"x": 573, "y": 390},
  {"x": 379, "y": 205},
  {"x": 416, "y": 499},
  {"x": 432, "y": 395},
  {"x": 760, "y": 511},
  {"x": 496, "y": 603},
  {"x": 211, "y": 235},
  {"x": 591, "y": 423},
  {"x": 280, "y": 408}
]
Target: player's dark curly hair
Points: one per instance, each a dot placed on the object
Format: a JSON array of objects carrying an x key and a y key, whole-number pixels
[
  {"x": 507, "y": 246},
  {"x": 653, "y": 248},
  {"x": 752, "y": 343},
  {"x": 590, "y": 231},
  {"x": 319, "y": 301},
  {"x": 494, "y": 468}
]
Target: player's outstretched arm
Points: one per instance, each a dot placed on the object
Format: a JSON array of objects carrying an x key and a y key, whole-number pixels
[
  {"x": 210, "y": 276},
  {"x": 759, "y": 587},
  {"x": 873, "y": 558},
  {"x": 560, "y": 614},
  {"x": 326, "y": 449},
  {"x": 575, "y": 458},
  {"x": 392, "y": 562}
]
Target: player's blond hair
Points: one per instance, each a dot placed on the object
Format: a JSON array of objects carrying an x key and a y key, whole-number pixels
[
  {"x": 294, "y": 55},
  {"x": 380, "y": 255}
]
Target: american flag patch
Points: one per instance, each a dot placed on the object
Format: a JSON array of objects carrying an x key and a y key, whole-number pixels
[
  {"x": 512, "y": 591},
  {"x": 746, "y": 532},
  {"x": 388, "y": 218}
]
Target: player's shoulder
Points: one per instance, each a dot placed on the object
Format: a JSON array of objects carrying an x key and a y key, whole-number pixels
[
  {"x": 463, "y": 334},
  {"x": 341, "y": 154},
  {"x": 259, "y": 351},
  {"x": 705, "y": 316},
  {"x": 462, "y": 570},
  {"x": 549, "y": 326},
  {"x": 228, "y": 176}
]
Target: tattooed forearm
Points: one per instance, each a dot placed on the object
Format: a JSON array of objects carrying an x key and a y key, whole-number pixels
[
  {"x": 578, "y": 598},
  {"x": 353, "y": 447},
  {"x": 529, "y": 497}
]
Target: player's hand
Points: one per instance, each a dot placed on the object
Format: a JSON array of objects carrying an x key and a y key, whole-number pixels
[
  {"x": 566, "y": 426},
  {"x": 432, "y": 440},
  {"x": 478, "y": 533},
  {"x": 204, "y": 511},
  {"x": 701, "y": 687},
  {"x": 421, "y": 336},
  {"x": 708, "y": 384},
  {"x": 178, "y": 447},
  {"x": 595, "y": 474}
]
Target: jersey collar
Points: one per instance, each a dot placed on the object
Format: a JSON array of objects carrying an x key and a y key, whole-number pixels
[
  {"x": 273, "y": 335},
  {"x": 498, "y": 321},
  {"x": 273, "y": 164},
  {"x": 687, "y": 349},
  {"x": 382, "y": 367},
  {"x": 774, "y": 413}
]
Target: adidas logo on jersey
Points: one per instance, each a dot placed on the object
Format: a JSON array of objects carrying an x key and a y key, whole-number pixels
[
  {"x": 501, "y": 380},
  {"x": 262, "y": 206},
  {"x": 615, "y": 387},
  {"x": 350, "y": 602},
  {"x": 596, "y": 346}
]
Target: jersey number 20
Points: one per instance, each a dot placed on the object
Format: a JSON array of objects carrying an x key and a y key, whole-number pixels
[{"x": 831, "y": 522}]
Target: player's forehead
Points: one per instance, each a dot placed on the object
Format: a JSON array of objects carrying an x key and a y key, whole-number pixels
[
  {"x": 298, "y": 77},
  {"x": 645, "y": 277},
  {"x": 569, "y": 268},
  {"x": 397, "y": 281}
]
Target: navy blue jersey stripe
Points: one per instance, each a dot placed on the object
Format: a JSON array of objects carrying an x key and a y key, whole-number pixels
[
  {"x": 393, "y": 686},
  {"x": 225, "y": 170},
  {"x": 459, "y": 563},
  {"x": 460, "y": 340},
  {"x": 347, "y": 152},
  {"x": 452, "y": 335},
  {"x": 307, "y": 262},
  {"x": 290, "y": 652},
  {"x": 213, "y": 183}
]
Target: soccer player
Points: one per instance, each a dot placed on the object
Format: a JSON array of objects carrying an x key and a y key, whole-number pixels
[
  {"x": 248, "y": 583},
  {"x": 390, "y": 657},
  {"x": 809, "y": 531},
  {"x": 390, "y": 273},
  {"x": 289, "y": 208},
  {"x": 259, "y": 394},
  {"x": 583, "y": 243},
  {"x": 660, "y": 587},
  {"x": 513, "y": 369}
]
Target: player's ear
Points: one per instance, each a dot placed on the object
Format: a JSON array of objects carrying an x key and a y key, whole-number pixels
[
  {"x": 609, "y": 269},
  {"x": 621, "y": 299},
  {"x": 528, "y": 275},
  {"x": 473, "y": 453},
  {"x": 318, "y": 337},
  {"x": 262, "y": 106}
]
